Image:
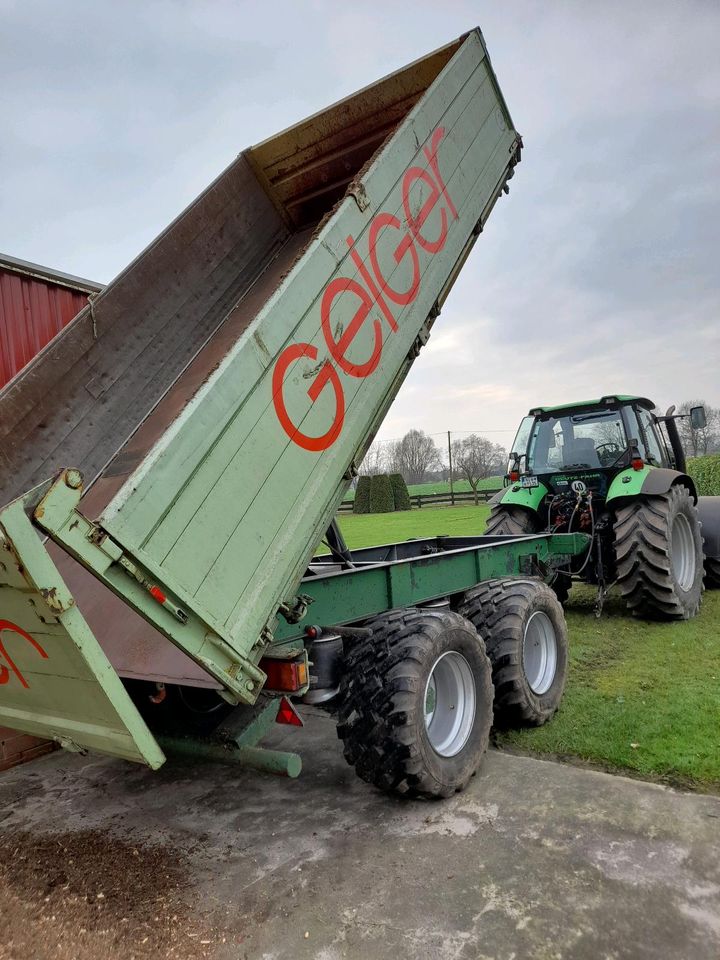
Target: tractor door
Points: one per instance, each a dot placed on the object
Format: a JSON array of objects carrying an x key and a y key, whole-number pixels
[{"x": 655, "y": 451}]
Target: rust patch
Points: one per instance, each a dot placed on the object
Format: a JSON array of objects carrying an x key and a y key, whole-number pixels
[{"x": 49, "y": 595}]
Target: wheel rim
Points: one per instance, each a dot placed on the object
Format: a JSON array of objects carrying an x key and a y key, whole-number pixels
[
  {"x": 539, "y": 653},
  {"x": 682, "y": 546},
  {"x": 449, "y": 704}
]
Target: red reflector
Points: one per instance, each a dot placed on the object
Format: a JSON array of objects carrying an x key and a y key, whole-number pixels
[
  {"x": 157, "y": 594},
  {"x": 514, "y": 476},
  {"x": 637, "y": 464},
  {"x": 311, "y": 632},
  {"x": 288, "y": 714}
]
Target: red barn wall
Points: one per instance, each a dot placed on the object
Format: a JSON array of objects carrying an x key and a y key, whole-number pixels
[{"x": 33, "y": 309}]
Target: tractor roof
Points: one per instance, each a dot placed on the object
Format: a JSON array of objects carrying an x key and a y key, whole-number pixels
[{"x": 612, "y": 400}]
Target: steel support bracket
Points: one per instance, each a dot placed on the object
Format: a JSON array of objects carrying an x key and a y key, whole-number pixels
[{"x": 236, "y": 741}]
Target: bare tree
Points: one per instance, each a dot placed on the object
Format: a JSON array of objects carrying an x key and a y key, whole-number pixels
[
  {"x": 414, "y": 456},
  {"x": 375, "y": 460},
  {"x": 475, "y": 458},
  {"x": 698, "y": 443}
]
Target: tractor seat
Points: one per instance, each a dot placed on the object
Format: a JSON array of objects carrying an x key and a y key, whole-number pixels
[{"x": 581, "y": 451}]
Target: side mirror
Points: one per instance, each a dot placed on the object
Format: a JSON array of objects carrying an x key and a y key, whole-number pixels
[{"x": 698, "y": 419}]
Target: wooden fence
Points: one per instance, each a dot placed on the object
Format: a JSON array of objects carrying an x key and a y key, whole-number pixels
[{"x": 419, "y": 500}]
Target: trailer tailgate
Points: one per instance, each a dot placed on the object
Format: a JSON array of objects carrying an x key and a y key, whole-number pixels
[{"x": 57, "y": 681}]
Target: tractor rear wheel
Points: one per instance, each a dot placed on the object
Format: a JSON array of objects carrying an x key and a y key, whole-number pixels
[
  {"x": 525, "y": 634},
  {"x": 416, "y": 703},
  {"x": 659, "y": 555}
]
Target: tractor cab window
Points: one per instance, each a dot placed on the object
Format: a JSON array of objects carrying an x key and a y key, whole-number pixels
[
  {"x": 653, "y": 450},
  {"x": 520, "y": 444},
  {"x": 579, "y": 441}
]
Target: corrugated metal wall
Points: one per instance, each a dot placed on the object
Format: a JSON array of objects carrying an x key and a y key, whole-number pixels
[{"x": 32, "y": 311}]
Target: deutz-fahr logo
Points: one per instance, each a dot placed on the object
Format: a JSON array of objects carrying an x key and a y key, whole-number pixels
[{"x": 372, "y": 297}]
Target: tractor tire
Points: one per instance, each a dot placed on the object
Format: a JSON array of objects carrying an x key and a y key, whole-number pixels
[
  {"x": 659, "y": 555},
  {"x": 416, "y": 703},
  {"x": 525, "y": 634},
  {"x": 510, "y": 521},
  {"x": 712, "y": 573},
  {"x": 517, "y": 522}
]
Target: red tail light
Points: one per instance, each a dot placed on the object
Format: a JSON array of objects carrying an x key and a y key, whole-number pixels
[
  {"x": 514, "y": 476},
  {"x": 636, "y": 463},
  {"x": 287, "y": 675}
]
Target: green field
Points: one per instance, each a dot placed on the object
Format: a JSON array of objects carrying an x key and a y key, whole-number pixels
[
  {"x": 641, "y": 697},
  {"x": 371, "y": 528},
  {"x": 442, "y": 486}
]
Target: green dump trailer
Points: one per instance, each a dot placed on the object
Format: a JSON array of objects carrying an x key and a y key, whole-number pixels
[{"x": 170, "y": 463}]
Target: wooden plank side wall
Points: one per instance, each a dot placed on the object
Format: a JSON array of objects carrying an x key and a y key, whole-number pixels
[{"x": 86, "y": 393}]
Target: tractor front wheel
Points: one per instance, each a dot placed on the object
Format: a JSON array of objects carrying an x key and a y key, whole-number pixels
[
  {"x": 659, "y": 555},
  {"x": 510, "y": 521},
  {"x": 519, "y": 522},
  {"x": 416, "y": 703}
]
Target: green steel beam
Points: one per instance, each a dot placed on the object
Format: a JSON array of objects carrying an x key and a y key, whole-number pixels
[
  {"x": 356, "y": 594},
  {"x": 258, "y": 758},
  {"x": 237, "y": 741}
]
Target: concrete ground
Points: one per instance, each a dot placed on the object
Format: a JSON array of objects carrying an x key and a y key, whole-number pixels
[{"x": 534, "y": 860}]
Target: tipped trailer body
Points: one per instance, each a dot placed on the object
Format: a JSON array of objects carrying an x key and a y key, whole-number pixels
[{"x": 202, "y": 418}]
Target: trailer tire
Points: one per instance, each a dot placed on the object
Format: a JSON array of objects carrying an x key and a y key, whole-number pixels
[
  {"x": 398, "y": 690},
  {"x": 659, "y": 555},
  {"x": 525, "y": 634},
  {"x": 712, "y": 573}
]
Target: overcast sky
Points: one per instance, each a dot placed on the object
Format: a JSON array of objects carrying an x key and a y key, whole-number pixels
[{"x": 598, "y": 274}]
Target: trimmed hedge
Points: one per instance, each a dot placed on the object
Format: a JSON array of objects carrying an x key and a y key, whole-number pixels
[
  {"x": 401, "y": 497},
  {"x": 361, "y": 503},
  {"x": 381, "y": 494},
  {"x": 705, "y": 471}
]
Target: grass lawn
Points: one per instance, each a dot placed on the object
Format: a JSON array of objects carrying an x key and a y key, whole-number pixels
[
  {"x": 643, "y": 698},
  {"x": 370, "y": 528}
]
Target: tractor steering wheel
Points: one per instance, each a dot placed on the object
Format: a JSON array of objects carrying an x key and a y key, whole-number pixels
[{"x": 613, "y": 451}]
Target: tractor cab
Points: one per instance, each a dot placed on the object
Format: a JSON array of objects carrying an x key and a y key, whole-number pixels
[{"x": 590, "y": 442}]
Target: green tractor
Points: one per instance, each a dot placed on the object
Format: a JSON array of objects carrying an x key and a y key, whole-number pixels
[{"x": 612, "y": 469}]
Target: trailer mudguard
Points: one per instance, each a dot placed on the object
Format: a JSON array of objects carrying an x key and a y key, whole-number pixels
[
  {"x": 648, "y": 482},
  {"x": 528, "y": 497}
]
